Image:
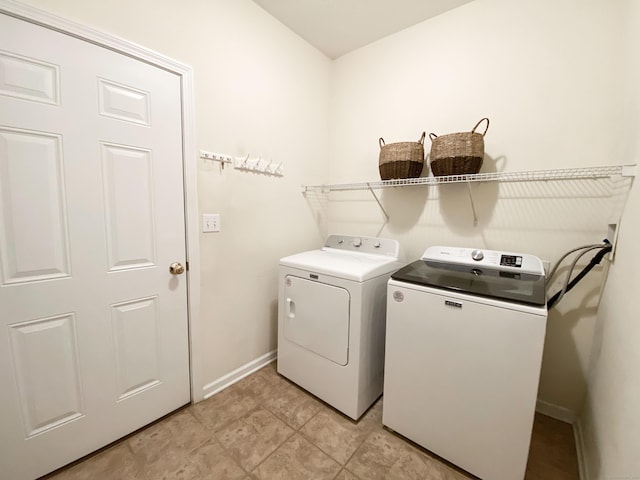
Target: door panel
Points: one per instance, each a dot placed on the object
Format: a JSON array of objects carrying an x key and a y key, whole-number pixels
[
  {"x": 29, "y": 79},
  {"x": 32, "y": 187},
  {"x": 317, "y": 317},
  {"x": 91, "y": 217},
  {"x": 45, "y": 357},
  {"x": 124, "y": 103},
  {"x": 136, "y": 345},
  {"x": 129, "y": 206}
]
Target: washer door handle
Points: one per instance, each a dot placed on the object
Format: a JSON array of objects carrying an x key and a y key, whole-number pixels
[{"x": 291, "y": 308}]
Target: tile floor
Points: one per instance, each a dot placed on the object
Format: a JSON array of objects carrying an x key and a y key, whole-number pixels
[{"x": 265, "y": 427}]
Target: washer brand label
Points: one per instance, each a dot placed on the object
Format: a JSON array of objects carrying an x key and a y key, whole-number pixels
[
  {"x": 288, "y": 282},
  {"x": 451, "y": 303},
  {"x": 398, "y": 296}
]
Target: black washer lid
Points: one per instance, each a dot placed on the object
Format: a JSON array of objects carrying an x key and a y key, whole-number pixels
[{"x": 485, "y": 282}]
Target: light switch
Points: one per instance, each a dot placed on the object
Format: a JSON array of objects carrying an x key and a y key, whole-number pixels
[{"x": 210, "y": 222}]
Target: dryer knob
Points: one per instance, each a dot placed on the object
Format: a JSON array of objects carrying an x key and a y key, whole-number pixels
[
  {"x": 357, "y": 242},
  {"x": 477, "y": 255},
  {"x": 376, "y": 244}
]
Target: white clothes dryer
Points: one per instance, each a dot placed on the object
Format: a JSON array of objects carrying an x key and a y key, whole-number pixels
[
  {"x": 464, "y": 340},
  {"x": 331, "y": 319}
]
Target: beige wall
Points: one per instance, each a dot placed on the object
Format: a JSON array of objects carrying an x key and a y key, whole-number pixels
[
  {"x": 609, "y": 425},
  {"x": 548, "y": 75},
  {"x": 610, "y": 421},
  {"x": 259, "y": 90}
]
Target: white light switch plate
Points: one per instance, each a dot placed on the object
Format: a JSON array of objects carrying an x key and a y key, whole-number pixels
[{"x": 210, "y": 222}]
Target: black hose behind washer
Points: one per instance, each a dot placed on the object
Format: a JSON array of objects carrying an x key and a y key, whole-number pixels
[{"x": 597, "y": 258}]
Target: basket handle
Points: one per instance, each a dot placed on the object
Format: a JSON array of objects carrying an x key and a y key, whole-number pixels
[
  {"x": 432, "y": 136},
  {"x": 421, "y": 140},
  {"x": 477, "y": 124}
]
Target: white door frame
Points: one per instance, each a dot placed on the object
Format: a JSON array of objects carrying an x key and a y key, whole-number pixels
[{"x": 83, "y": 32}]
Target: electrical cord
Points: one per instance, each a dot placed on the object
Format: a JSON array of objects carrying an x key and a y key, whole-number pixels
[
  {"x": 557, "y": 264},
  {"x": 568, "y": 285},
  {"x": 571, "y": 268}
]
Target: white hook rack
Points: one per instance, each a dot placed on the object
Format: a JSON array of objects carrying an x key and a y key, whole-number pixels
[
  {"x": 259, "y": 165},
  {"x": 216, "y": 157}
]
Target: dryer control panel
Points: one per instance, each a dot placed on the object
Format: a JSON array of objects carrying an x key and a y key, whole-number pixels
[
  {"x": 474, "y": 257},
  {"x": 371, "y": 245}
]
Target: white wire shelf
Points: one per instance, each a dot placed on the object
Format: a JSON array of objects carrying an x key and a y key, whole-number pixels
[{"x": 530, "y": 176}]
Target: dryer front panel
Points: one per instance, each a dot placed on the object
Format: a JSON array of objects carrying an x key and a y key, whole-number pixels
[{"x": 316, "y": 317}]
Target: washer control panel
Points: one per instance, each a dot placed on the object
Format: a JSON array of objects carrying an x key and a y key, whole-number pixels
[
  {"x": 370, "y": 245},
  {"x": 474, "y": 257}
]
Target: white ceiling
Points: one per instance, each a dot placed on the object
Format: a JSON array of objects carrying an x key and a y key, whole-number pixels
[{"x": 337, "y": 27}]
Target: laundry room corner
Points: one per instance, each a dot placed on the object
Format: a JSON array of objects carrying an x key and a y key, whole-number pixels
[
  {"x": 489, "y": 59},
  {"x": 284, "y": 155}
]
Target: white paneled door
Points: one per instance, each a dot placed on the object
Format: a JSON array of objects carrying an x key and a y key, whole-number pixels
[{"x": 93, "y": 325}]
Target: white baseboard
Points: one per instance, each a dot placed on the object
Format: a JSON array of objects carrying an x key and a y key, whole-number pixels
[
  {"x": 554, "y": 411},
  {"x": 229, "y": 379},
  {"x": 580, "y": 450}
]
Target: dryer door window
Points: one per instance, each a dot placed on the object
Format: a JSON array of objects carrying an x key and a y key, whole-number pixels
[{"x": 316, "y": 317}]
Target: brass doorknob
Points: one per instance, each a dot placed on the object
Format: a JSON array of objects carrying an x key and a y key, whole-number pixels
[{"x": 176, "y": 268}]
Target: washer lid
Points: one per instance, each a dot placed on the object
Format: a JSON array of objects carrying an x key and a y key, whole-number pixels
[
  {"x": 512, "y": 286},
  {"x": 342, "y": 264}
]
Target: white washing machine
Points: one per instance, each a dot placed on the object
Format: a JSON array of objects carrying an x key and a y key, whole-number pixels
[
  {"x": 331, "y": 319},
  {"x": 464, "y": 340}
]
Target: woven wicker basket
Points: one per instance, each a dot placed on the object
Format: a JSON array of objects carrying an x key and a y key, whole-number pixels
[
  {"x": 401, "y": 160},
  {"x": 458, "y": 153}
]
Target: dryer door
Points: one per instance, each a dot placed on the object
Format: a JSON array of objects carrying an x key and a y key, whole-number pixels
[{"x": 316, "y": 317}]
